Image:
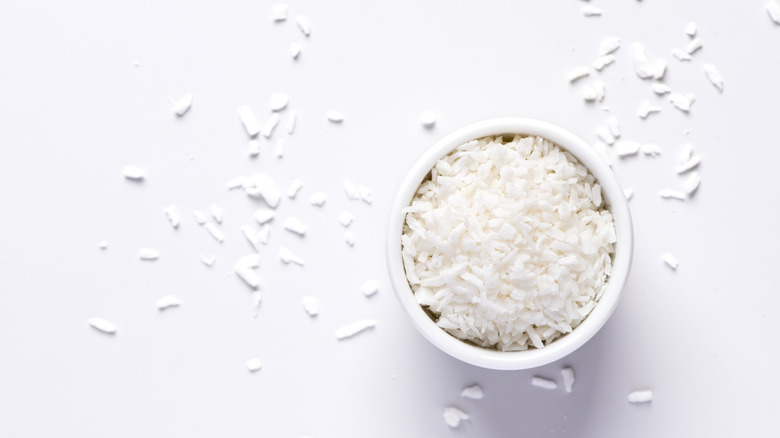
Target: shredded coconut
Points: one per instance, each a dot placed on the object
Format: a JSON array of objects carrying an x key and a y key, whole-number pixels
[
  {"x": 473, "y": 392},
  {"x": 646, "y": 108},
  {"x": 279, "y": 101},
  {"x": 591, "y": 11},
  {"x": 543, "y": 383},
  {"x": 310, "y": 305},
  {"x": 652, "y": 150},
  {"x": 681, "y": 101},
  {"x": 134, "y": 173},
  {"x": 692, "y": 183},
  {"x": 346, "y": 218},
  {"x": 605, "y": 134},
  {"x": 235, "y": 183},
  {"x": 295, "y": 50},
  {"x": 248, "y": 119},
  {"x": 148, "y": 254},
  {"x": 264, "y": 215},
  {"x": 303, "y": 24},
  {"x": 208, "y": 261},
  {"x": 681, "y": 55},
  {"x": 251, "y": 236},
  {"x": 773, "y": 9},
  {"x": 288, "y": 257},
  {"x": 215, "y": 232},
  {"x": 318, "y": 199},
  {"x": 690, "y": 29},
  {"x": 672, "y": 194},
  {"x": 102, "y": 325},
  {"x": 270, "y": 125},
  {"x": 103, "y": 244},
  {"x": 625, "y": 148},
  {"x": 279, "y": 12},
  {"x": 173, "y": 216},
  {"x": 335, "y": 116},
  {"x": 453, "y": 416},
  {"x": 280, "y": 148},
  {"x": 428, "y": 119},
  {"x": 349, "y": 237},
  {"x": 263, "y": 186},
  {"x": 182, "y": 105},
  {"x": 253, "y": 149},
  {"x": 670, "y": 260},
  {"x": 295, "y": 186},
  {"x": 291, "y": 119},
  {"x": 567, "y": 374},
  {"x": 661, "y": 89},
  {"x": 370, "y": 288},
  {"x": 578, "y": 73},
  {"x": 609, "y": 45},
  {"x": 603, "y": 61},
  {"x": 200, "y": 217},
  {"x": 350, "y": 190},
  {"x": 254, "y": 365},
  {"x": 614, "y": 126},
  {"x": 246, "y": 268},
  {"x": 714, "y": 76},
  {"x": 354, "y": 328},
  {"x": 694, "y": 46},
  {"x": 295, "y": 225},
  {"x": 217, "y": 213},
  {"x": 508, "y": 243},
  {"x": 167, "y": 302},
  {"x": 628, "y": 193},
  {"x": 640, "y": 396}
]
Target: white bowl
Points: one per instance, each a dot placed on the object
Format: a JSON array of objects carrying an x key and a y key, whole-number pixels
[{"x": 615, "y": 199}]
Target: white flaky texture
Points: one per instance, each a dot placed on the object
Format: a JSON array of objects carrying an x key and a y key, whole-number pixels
[{"x": 508, "y": 244}]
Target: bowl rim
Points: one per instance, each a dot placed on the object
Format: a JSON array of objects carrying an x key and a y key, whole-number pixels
[{"x": 613, "y": 195}]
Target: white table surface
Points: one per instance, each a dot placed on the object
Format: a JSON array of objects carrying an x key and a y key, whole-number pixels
[{"x": 75, "y": 109}]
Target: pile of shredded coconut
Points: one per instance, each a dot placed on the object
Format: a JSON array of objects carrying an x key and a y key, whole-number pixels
[{"x": 508, "y": 244}]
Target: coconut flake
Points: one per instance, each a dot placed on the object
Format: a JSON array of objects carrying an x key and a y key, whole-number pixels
[
  {"x": 601, "y": 89},
  {"x": 182, "y": 104},
  {"x": 295, "y": 186},
  {"x": 168, "y": 301},
  {"x": 692, "y": 183},
  {"x": 279, "y": 101},
  {"x": 628, "y": 193},
  {"x": 248, "y": 119},
  {"x": 714, "y": 76},
  {"x": 453, "y": 416},
  {"x": 543, "y": 383},
  {"x": 148, "y": 254},
  {"x": 659, "y": 69},
  {"x": 640, "y": 396},
  {"x": 295, "y": 225},
  {"x": 246, "y": 268},
  {"x": 624, "y": 148},
  {"x": 646, "y": 108},
  {"x": 279, "y": 12},
  {"x": 672, "y": 194},
  {"x": 103, "y": 244},
  {"x": 291, "y": 119},
  {"x": 350, "y": 190},
  {"x": 235, "y": 183},
  {"x": 134, "y": 173},
  {"x": 603, "y": 61},
  {"x": 346, "y": 218},
  {"x": 651, "y": 149},
  {"x": 334, "y": 116},
  {"x": 200, "y": 217},
  {"x": 354, "y": 328},
  {"x": 263, "y": 186},
  {"x": 349, "y": 237},
  {"x": 694, "y": 46},
  {"x": 215, "y": 232},
  {"x": 681, "y": 55},
  {"x": 173, "y": 216},
  {"x": 288, "y": 257},
  {"x": 264, "y": 234},
  {"x": 567, "y": 374},
  {"x": 643, "y": 68},
  {"x": 102, "y": 325},
  {"x": 365, "y": 194},
  {"x": 370, "y": 287},
  {"x": 605, "y": 134},
  {"x": 217, "y": 213},
  {"x": 208, "y": 261},
  {"x": 578, "y": 73},
  {"x": 589, "y": 93},
  {"x": 303, "y": 24},
  {"x": 690, "y": 29},
  {"x": 264, "y": 215},
  {"x": 773, "y": 9},
  {"x": 253, "y": 149},
  {"x": 473, "y": 392},
  {"x": 310, "y": 305},
  {"x": 609, "y": 45},
  {"x": 661, "y": 89},
  {"x": 270, "y": 125},
  {"x": 428, "y": 119},
  {"x": 251, "y": 236},
  {"x": 280, "y": 148},
  {"x": 591, "y": 11},
  {"x": 614, "y": 126},
  {"x": 295, "y": 50},
  {"x": 318, "y": 199},
  {"x": 254, "y": 365},
  {"x": 681, "y": 101}
]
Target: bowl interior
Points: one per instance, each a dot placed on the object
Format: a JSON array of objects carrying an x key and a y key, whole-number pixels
[{"x": 613, "y": 195}]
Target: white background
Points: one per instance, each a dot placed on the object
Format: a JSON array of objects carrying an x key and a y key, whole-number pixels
[{"x": 75, "y": 109}]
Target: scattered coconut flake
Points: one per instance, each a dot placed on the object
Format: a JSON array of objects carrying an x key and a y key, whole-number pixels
[
  {"x": 102, "y": 325},
  {"x": 318, "y": 199},
  {"x": 453, "y": 416},
  {"x": 280, "y": 148},
  {"x": 354, "y": 328},
  {"x": 264, "y": 234},
  {"x": 279, "y": 101},
  {"x": 714, "y": 76},
  {"x": 350, "y": 190},
  {"x": 692, "y": 183},
  {"x": 200, "y": 217},
  {"x": 208, "y": 261},
  {"x": 349, "y": 237},
  {"x": 428, "y": 119},
  {"x": 681, "y": 55},
  {"x": 578, "y": 73},
  {"x": 609, "y": 45},
  {"x": 659, "y": 69},
  {"x": 334, "y": 116},
  {"x": 603, "y": 61},
  {"x": 270, "y": 125},
  {"x": 646, "y": 108},
  {"x": 103, "y": 244},
  {"x": 370, "y": 288},
  {"x": 248, "y": 119},
  {"x": 614, "y": 126},
  {"x": 215, "y": 232},
  {"x": 295, "y": 50},
  {"x": 589, "y": 93},
  {"x": 541, "y": 382},
  {"x": 681, "y": 101},
  {"x": 688, "y": 160},
  {"x": 182, "y": 105},
  {"x": 310, "y": 305},
  {"x": 134, "y": 173},
  {"x": 365, "y": 194},
  {"x": 245, "y": 268},
  {"x": 257, "y": 299},
  {"x": 235, "y": 183},
  {"x": 295, "y": 186},
  {"x": 690, "y": 29},
  {"x": 567, "y": 374},
  {"x": 295, "y": 225},
  {"x": 661, "y": 89},
  {"x": 473, "y": 392},
  {"x": 672, "y": 194},
  {"x": 253, "y": 149},
  {"x": 254, "y": 365},
  {"x": 652, "y": 150},
  {"x": 624, "y": 148},
  {"x": 291, "y": 119},
  {"x": 643, "y": 68},
  {"x": 591, "y": 11},
  {"x": 628, "y": 193},
  {"x": 264, "y": 215},
  {"x": 694, "y": 46},
  {"x": 303, "y": 24},
  {"x": 346, "y": 218},
  {"x": 173, "y": 216},
  {"x": 251, "y": 236},
  {"x": 605, "y": 135},
  {"x": 168, "y": 301},
  {"x": 601, "y": 89},
  {"x": 279, "y": 12},
  {"x": 263, "y": 186},
  {"x": 148, "y": 254},
  {"x": 773, "y": 9},
  {"x": 640, "y": 396},
  {"x": 217, "y": 213},
  {"x": 288, "y": 257}
]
